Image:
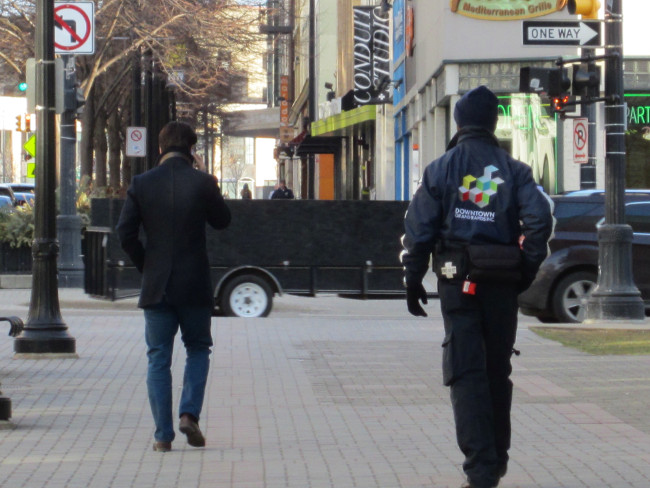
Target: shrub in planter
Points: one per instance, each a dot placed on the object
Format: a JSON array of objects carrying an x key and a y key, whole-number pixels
[
  {"x": 16, "y": 236},
  {"x": 17, "y": 226}
]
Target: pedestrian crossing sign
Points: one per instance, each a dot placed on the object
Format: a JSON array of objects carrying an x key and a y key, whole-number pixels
[{"x": 30, "y": 146}]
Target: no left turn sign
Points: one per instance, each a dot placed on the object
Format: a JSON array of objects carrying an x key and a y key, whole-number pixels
[{"x": 74, "y": 31}]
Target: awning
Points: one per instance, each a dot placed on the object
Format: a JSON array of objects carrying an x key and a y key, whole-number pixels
[
  {"x": 335, "y": 124},
  {"x": 319, "y": 145},
  {"x": 304, "y": 144}
]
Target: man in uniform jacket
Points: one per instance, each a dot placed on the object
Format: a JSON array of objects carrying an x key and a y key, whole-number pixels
[
  {"x": 282, "y": 192},
  {"x": 476, "y": 200},
  {"x": 171, "y": 204}
]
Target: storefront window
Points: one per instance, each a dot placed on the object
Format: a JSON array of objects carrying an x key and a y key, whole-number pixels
[
  {"x": 527, "y": 130},
  {"x": 637, "y": 141}
]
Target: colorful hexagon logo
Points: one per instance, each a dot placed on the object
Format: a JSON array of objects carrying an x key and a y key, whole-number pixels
[{"x": 480, "y": 190}]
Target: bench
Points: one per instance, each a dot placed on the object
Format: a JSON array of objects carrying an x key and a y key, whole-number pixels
[{"x": 16, "y": 326}]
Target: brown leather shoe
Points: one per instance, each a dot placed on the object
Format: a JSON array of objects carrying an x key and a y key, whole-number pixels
[
  {"x": 162, "y": 446},
  {"x": 190, "y": 428}
]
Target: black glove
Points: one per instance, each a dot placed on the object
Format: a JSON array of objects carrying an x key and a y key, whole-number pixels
[{"x": 415, "y": 293}]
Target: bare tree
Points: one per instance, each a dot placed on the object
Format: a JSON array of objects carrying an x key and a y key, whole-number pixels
[{"x": 199, "y": 44}]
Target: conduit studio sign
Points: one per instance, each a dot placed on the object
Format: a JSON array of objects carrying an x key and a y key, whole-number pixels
[{"x": 74, "y": 28}]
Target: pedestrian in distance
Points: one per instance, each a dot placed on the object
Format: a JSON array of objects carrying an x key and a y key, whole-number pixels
[
  {"x": 172, "y": 203},
  {"x": 282, "y": 193},
  {"x": 246, "y": 193},
  {"x": 471, "y": 209}
]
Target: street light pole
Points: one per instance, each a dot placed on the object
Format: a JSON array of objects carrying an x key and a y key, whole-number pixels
[
  {"x": 71, "y": 266},
  {"x": 616, "y": 297},
  {"x": 311, "y": 162},
  {"x": 45, "y": 332}
]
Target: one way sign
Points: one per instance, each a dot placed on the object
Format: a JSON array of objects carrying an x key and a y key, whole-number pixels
[{"x": 537, "y": 33}]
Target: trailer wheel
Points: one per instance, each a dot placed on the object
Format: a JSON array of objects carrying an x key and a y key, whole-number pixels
[{"x": 247, "y": 296}]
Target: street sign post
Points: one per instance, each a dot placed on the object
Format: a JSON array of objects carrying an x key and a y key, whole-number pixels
[
  {"x": 560, "y": 33},
  {"x": 74, "y": 31}
]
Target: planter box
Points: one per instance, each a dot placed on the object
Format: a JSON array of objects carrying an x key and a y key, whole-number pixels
[{"x": 15, "y": 260}]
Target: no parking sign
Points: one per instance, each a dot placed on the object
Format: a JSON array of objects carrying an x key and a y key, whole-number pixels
[
  {"x": 580, "y": 140},
  {"x": 74, "y": 31}
]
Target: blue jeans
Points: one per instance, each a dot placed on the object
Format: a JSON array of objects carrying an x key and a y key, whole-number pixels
[{"x": 161, "y": 324}]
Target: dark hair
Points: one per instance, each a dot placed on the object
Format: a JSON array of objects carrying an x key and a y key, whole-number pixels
[{"x": 178, "y": 135}]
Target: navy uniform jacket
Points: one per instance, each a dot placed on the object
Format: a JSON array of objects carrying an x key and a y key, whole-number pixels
[
  {"x": 476, "y": 193},
  {"x": 172, "y": 202}
]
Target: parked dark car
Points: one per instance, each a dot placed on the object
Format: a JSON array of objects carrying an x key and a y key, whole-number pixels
[
  {"x": 5, "y": 202},
  {"x": 6, "y": 191},
  {"x": 22, "y": 187},
  {"x": 24, "y": 198},
  {"x": 569, "y": 274}
]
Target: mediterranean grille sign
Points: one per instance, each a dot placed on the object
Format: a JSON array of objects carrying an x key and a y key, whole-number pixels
[
  {"x": 371, "y": 56},
  {"x": 506, "y": 9}
]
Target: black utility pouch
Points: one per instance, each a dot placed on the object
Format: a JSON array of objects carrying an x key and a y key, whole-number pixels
[
  {"x": 494, "y": 262},
  {"x": 450, "y": 262}
]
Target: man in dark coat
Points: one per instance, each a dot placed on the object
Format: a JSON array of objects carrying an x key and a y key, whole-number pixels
[
  {"x": 282, "y": 193},
  {"x": 171, "y": 204},
  {"x": 477, "y": 198}
]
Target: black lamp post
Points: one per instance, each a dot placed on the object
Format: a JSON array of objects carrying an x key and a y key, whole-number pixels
[
  {"x": 45, "y": 331},
  {"x": 71, "y": 266},
  {"x": 311, "y": 162},
  {"x": 616, "y": 297}
]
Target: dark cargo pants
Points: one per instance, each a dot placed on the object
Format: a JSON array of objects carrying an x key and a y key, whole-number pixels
[{"x": 480, "y": 333}]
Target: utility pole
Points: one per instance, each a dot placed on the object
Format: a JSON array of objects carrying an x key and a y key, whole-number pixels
[
  {"x": 588, "y": 170},
  {"x": 616, "y": 297},
  {"x": 311, "y": 164},
  {"x": 45, "y": 332},
  {"x": 147, "y": 95},
  {"x": 137, "y": 164},
  {"x": 71, "y": 266}
]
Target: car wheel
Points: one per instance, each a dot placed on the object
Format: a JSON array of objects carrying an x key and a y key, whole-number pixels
[
  {"x": 247, "y": 296},
  {"x": 571, "y": 294}
]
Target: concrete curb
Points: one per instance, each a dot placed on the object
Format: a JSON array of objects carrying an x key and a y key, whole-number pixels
[{"x": 16, "y": 281}]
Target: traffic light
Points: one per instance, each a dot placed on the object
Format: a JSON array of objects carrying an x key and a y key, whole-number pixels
[
  {"x": 74, "y": 100},
  {"x": 22, "y": 86},
  {"x": 586, "y": 80},
  {"x": 559, "y": 103},
  {"x": 19, "y": 123},
  {"x": 587, "y": 8},
  {"x": 28, "y": 122},
  {"x": 550, "y": 81}
]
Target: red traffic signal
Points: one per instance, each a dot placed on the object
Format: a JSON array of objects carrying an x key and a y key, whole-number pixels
[
  {"x": 28, "y": 122},
  {"x": 559, "y": 104}
]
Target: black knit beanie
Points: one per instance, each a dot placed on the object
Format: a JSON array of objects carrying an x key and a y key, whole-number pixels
[{"x": 478, "y": 107}]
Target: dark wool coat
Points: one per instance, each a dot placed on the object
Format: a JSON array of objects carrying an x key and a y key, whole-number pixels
[{"x": 172, "y": 203}]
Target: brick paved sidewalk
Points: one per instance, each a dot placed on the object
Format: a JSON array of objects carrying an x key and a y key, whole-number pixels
[{"x": 338, "y": 399}]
